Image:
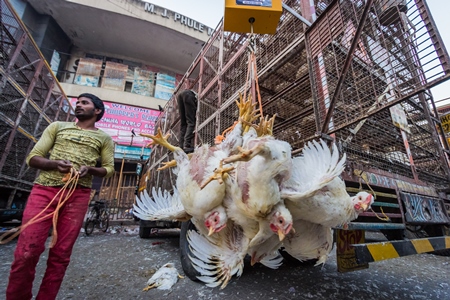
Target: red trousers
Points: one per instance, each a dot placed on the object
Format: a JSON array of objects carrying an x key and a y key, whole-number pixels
[{"x": 32, "y": 240}]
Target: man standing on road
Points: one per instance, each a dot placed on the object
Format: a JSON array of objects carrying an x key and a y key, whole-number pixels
[
  {"x": 187, "y": 107},
  {"x": 74, "y": 145}
]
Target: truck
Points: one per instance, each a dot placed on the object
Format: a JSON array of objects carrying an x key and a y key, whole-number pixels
[
  {"x": 30, "y": 99},
  {"x": 355, "y": 73}
]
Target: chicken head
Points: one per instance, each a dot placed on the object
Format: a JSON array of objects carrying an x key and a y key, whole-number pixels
[
  {"x": 281, "y": 221},
  {"x": 216, "y": 220},
  {"x": 362, "y": 202}
]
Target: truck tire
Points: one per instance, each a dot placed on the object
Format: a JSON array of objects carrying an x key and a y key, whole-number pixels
[
  {"x": 144, "y": 231},
  {"x": 188, "y": 269}
]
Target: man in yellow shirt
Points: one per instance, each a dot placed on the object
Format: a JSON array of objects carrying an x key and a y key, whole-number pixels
[{"x": 78, "y": 145}]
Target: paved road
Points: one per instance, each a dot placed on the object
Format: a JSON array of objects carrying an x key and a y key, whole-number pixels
[{"x": 117, "y": 265}]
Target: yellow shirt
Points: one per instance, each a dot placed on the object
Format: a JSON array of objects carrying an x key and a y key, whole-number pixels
[{"x": 67, "y": 141}]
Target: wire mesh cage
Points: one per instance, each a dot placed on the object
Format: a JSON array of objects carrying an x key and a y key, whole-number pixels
[
  {"x": 371, "y": 67},
  {"x": 359, "y": 75}
]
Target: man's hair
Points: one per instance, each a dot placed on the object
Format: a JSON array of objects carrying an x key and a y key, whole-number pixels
[{"x": 97, "y": 103}]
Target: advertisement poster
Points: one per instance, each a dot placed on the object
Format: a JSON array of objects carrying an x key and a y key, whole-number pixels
[
  {"x": 266, "y": 3},
  {"x": 120, "y": 120}
]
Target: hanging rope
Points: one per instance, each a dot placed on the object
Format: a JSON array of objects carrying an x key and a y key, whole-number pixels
[
  {"x": 361, "y": 177},
  {"x": 71, "y": 181},
  {"x": 251, "y": 70}
]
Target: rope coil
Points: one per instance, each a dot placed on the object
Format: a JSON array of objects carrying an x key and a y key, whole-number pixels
[{"x": 71, "y": 181}]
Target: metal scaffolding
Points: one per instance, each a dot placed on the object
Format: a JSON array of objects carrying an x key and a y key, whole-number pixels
[{"x": 30, "y": 99}]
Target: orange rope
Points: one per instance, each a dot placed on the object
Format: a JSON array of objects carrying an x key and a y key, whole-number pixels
[
  {"x": 219, "y": 139},
  {"x": 71, "y": 185},
  {"x": 251, "y": 63},
  {"x": 253, "y": 58}
]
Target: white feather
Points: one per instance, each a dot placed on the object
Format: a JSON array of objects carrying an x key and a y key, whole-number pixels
[
  {"x": 217, "y": 261},
  {"x": 163, "y": 206},
  {"x": 310, "y": 172}
]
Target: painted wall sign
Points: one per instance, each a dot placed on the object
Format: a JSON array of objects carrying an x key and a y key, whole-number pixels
[
  {"x": 183, "y": 20},
  {"x": 119, "y": 120},
  {"x": 346, "y": 257}
]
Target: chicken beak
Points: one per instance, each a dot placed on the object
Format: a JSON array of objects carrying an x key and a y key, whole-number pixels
[
  {"x": 211, "y": 230},
  {"x": 281, "y": 234},
  {"x": 364, "y": 206}
]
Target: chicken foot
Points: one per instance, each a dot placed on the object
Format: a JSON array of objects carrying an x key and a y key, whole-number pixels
[
  {"x": 220, "y": 174},
  {"x": 247, "y": 112},
  {"x": 265, "y": 126},
  {"x": 171, "y": 164},
  {"x": 159, "y": 139},
  {"x": 245, "y": 155}
]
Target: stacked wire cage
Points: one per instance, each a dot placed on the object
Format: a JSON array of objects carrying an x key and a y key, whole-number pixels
[{"x": 322, "y": 82}]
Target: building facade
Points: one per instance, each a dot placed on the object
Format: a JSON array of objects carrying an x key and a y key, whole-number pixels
[{"x": 130, "y": 53}]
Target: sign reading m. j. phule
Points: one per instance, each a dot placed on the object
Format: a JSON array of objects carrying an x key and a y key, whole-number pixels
[{"x": 183, "y": 20}]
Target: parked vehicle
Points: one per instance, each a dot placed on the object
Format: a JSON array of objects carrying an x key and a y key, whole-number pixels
[
  {"x": 98, "y": 216},
  {"x": 359, "y": 77}
]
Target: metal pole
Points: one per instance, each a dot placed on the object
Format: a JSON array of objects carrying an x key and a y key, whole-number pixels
[{"x": 347, "y": 63}]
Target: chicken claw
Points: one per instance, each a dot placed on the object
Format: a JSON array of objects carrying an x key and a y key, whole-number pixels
[
  {"x": 171, "y": 164},
  {"x": 167, "y": 165},
  {"x": 219, "y": 174},
  {"x": 159, "y": 139},
  {"x": 265, "y": 126},
  {"x": 245, "y": 155}
]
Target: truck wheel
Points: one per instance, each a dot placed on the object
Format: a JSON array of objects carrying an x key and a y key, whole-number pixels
[
  {"x": 188, "y": 269},
  {"x": 144, "y": 231}
]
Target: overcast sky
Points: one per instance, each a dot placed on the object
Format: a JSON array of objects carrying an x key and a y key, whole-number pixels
[{"x": 209, "y": 12}]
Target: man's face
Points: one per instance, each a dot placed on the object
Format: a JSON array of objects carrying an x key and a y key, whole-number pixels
[{"x": 85, "y": 109}]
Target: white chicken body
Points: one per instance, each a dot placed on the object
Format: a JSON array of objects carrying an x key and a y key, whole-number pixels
[
  {"x": 315, "y": 192},
  {"x": 196, "y": 201},
  {"x": 309, "y": 241},
  {"x": 259, "y": 179},
  {"x": 330, "y": 206},
  {"x": 164, "y": 278},
  {"x": 253, "y": 200}
]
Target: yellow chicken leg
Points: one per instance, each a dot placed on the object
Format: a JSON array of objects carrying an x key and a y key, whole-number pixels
[
  {"x": 245, "y": 155},
  {"x": 147, "y": 288},
  {"x": 167, "y": 165},
  {"x": 159, "y": 139},
  {"x": 219, "y": 174},
  {"x": 171, "y": 164}
]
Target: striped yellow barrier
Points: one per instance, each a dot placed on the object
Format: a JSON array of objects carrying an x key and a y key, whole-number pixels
[{"x": 366, "y": 253}]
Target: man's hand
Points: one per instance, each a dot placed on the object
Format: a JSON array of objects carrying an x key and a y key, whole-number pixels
[
  {"x": 63, "y": 166},
  {"x": 84, "y": 170}
]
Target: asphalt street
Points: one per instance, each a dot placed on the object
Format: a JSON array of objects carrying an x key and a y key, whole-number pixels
[{"x": 117, "y": 265}]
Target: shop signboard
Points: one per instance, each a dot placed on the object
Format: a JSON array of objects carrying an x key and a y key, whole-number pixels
[{"x": 120, "y": 121}]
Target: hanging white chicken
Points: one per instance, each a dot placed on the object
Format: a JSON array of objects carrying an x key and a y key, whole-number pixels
[
  {"x": 315, "y": 193},
  {"x": 309, "y": 241}
]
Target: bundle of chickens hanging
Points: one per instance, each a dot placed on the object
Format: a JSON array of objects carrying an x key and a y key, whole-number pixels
[{"x": 247, "y": 195}]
